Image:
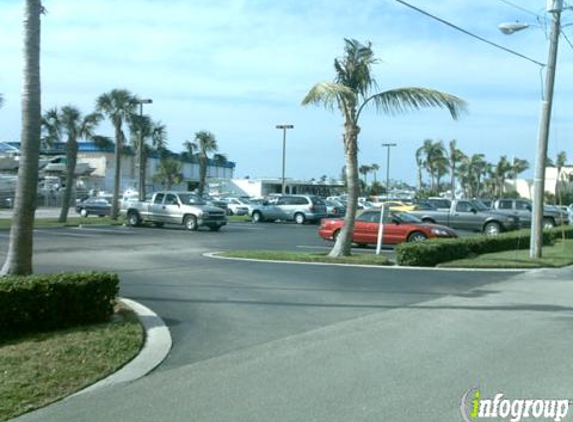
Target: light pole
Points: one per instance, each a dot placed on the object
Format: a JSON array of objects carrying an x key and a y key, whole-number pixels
[
  {"x": 141, "y": 160},
  {"x": 554, "y": 7},
  {"x": 388, "y": 146},
  {"x": 284, "y": 128}
]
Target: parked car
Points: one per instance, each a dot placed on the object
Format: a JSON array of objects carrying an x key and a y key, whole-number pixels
[
  {"x": 398, "y": 227},
  {"x": 440, "y": 203},
  {"x": 298, "y": 208},
  {"x": 552, "y": 216},
  {"x": 99, "y": 206},
  {"x": 465, "y": 214},
  {"x": 335, "y": 208},
  {"x": 238, "y": 206},
  {"x": 184, "y": 208},
  {"x": 396, "y": 205}
]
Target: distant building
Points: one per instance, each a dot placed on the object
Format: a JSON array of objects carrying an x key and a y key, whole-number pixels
[
  {"x": 269, "y": 186},
  {"x": 102, "y": 161},
  {"x": 524, "y": 187}
]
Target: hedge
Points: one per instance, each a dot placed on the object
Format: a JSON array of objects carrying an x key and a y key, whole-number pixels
[
  {"x": 53, "y": 301},
  {"x": 433, "y": 252}
]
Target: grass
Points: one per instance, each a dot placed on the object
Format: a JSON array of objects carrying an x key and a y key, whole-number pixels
[
  {"x": 359, "y": 259},
  {"x": 238, "y": 218},
  {"x": 71, "y": 222},
  {"x": 41, "y": 368},
  {"x": 558, "y": 255}
]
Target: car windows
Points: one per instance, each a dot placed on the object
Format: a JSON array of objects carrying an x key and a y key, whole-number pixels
[
  {"x": 464, "y": 207},
  {"x": 318, "y": 201},
  {"x": 369, "y": 217},
  {"x": 158, "y": 198},
  {"x": 522, "y": 205},
  {"x": 505, "y": 205},
  {"x": 171, "y": 199}
]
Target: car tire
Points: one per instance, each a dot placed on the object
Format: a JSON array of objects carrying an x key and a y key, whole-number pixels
[
  {"x": 133, "y": 219},
  {"x": 190, "y": 223},
  {"x": 84, "y": 213},
  {"x": 548, "y": 223},
  {"x": 416, "y": 237},
  {"x": 492, "y": 228},
  {"x": 257, "y": 217},
  {"x": 299, "y": 218}
]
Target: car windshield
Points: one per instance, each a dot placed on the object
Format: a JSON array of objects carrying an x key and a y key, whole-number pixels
[
  {"x": 191, "y": 199},
  {"x": 406, "y": 218}
]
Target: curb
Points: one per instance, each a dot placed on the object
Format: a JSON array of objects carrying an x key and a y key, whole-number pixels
[
  {"x": 155, "y": 349},
  {"x": 216, "y": 255}
]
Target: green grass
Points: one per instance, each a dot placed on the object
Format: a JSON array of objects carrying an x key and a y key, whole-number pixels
[
  {"x": 359, "y": 259},
  {"x": 40, "y": 368},
  {"x": 238, "y": 218},
  {"x": 558, "y": 255},
  {"x": 71, "y": 222}
]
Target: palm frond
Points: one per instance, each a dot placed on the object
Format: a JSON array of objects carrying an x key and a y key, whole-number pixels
[
  {"x": 401, "y": 100},
  {"x": 329, "y": 94}
]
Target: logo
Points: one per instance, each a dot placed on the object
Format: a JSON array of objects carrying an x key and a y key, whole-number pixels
[{"x": 474, "y": 407}]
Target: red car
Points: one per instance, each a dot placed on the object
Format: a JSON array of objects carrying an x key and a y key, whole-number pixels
[{"x": 398, "y": 227}]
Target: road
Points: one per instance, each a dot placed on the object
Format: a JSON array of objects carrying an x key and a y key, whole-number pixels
[{"x": 261, "y": 341}]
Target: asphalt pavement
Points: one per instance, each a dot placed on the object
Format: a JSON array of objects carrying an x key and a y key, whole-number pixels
[{"x": 260, "y": 341}]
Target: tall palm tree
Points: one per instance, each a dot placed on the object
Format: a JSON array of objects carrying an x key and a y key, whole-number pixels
[
  {"x": 119, "y": 106},
  {"x": 455, "y": 157},
  {"x": 153, "y": 136},
  {"x": 20, "y": 249},
  {"x": 560, "y": 162},
  {"x": 351, "y": 92},
  {"x": 204, "y": 144},
  {"x": 435, "y": 161},
  {"x": 69, "y": 123},
  {"x": 501, "y": 172},
  {"x": 374, "y": 168},
  {"x": 364, "y": 170},
  {"x": 421, "y": 164},
  {"x": 168, "y": 172}
]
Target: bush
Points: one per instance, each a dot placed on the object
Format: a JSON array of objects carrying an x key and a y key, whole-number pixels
[
  {"x": 53, "y": 301},
  {"x": 434, "y": 252}
]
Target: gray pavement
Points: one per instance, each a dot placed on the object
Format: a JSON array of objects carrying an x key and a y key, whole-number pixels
[{"x": 260, "y": 342}]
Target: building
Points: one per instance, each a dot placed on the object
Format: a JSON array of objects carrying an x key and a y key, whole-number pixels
[
  {"x": 257, "y": 188},
  {"x": 101, "y": 162}
]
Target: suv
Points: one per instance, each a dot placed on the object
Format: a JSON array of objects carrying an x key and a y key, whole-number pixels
[
  {"x": 298, "y": 208},
  {"x": 522, "y": 208}
]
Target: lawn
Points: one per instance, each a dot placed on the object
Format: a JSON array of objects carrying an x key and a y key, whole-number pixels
[
  {"x": 40, "y": 368},
  {"x": 558, "y": 255},
  {"x": 358, "y": 259},
  {"x": 72, "y": 222}
]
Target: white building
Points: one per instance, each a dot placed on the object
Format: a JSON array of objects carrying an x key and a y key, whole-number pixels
[{"x": 263, "y": 187}]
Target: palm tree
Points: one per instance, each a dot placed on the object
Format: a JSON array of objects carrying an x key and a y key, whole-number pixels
[
  {"x": 501, "y": 171},
  {"x": 20, "y": 249},
  {"x": 560, "y": 162},
  {"x": 205, "y": 143},
  {"x": 435, "y": 161},
  {"x": 364, "y": 170},
  {"x": 153, "y": 136},
  {"x": 351, "y": 92},
  {"x": 455, "y": 157},
  {"x": 168, "y": 172},
  {"x": 374, "y": 168},
  {"x": 69, "y": 123},
  {"x": 420, "y": 163},
  {"x": 119, "y": 106}
]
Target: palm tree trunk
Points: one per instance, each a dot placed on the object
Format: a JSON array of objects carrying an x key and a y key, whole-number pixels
[
  {"x": 419, "y": 177},
  {"x": 19, "y": 257},
  {"x": 142, "y": 171},
  {"x": 343, "y": 243},
  {"x": 117, "y": 173},
  {"x": 71, "y": 156},
  {"x": 202, "y": 173}
]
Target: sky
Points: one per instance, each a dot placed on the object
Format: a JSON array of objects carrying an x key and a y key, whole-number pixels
[{"x": 237, "y": 68}]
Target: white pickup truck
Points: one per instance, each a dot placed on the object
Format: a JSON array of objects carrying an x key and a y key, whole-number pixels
[{"x": 171, "y": 207}]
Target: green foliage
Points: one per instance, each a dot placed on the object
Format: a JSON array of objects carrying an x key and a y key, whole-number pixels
[
  {"x": 53, "y": 301},
  {"x": 512, "y": 194},
  {"x": 376, "y": 188},
  {"x": 434, "y": 252}
]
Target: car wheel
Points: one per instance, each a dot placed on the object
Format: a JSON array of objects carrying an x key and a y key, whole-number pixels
[
  {"x": 84, "y": 212},
  {"x": 133, "y": 219},
  {"x": 492, "y": 229},
  {"x": 548, "y": 223},
  {"x": 190, "y": 222},
  {"x": 257, "y": 217},
  {"x": 214, "y": 228},
  {"x": 299, "y": 218},
  {"x": 417, "y": 237}
]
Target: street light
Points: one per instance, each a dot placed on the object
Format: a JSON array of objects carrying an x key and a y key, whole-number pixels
[
  {"x": 388, "y": 146},
  {"x": 140, "y": 158},
  {"x": 284, "y": 128},
  {"x": 511, "y": 27},
  {"x": 554, "y": 7}
]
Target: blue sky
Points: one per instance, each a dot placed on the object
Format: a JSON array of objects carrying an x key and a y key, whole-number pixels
[{"x": 239, "y": 67}]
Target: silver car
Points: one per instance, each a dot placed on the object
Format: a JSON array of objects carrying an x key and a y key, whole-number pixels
[{"x": 298, "y": 208}]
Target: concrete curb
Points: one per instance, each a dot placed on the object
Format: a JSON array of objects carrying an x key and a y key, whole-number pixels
[
  {"x": 156, "y": 348},
  {"x": 216, "y": 255}
]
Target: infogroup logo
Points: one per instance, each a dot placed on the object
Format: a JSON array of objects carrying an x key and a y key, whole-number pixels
[{"x": 474, "y": 407}]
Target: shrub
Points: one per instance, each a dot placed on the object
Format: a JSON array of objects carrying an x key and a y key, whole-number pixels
[
  {"x": 53, "y": 301},
  {"x": 426, "y": 254}
]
